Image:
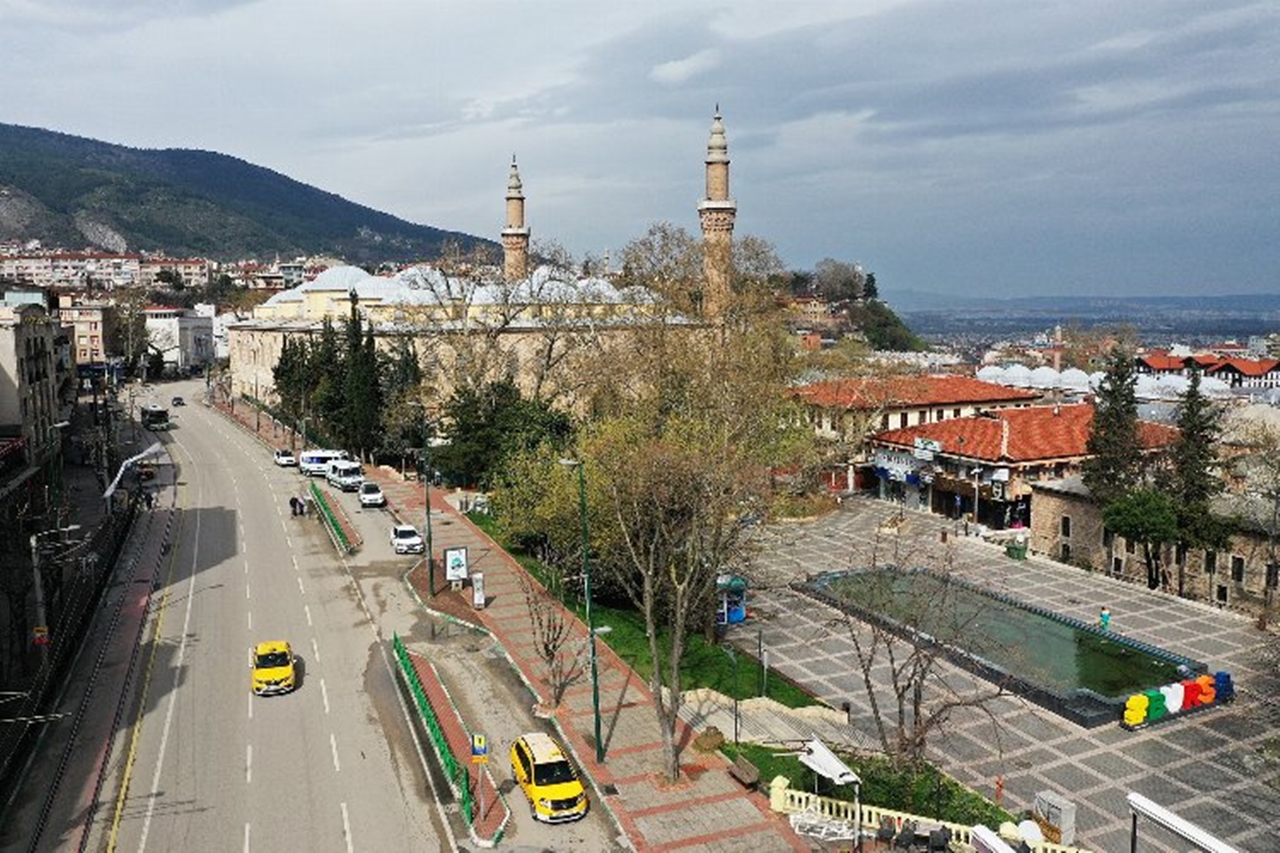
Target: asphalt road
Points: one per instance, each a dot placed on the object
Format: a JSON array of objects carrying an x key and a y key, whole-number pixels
[{"x": 328, "y": 767}]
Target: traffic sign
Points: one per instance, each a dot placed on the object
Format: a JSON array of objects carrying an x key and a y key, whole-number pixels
[{"x": 479, "y": 750}]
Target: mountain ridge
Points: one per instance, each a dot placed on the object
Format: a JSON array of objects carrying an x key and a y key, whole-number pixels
[{"x": 67, "y": 190}]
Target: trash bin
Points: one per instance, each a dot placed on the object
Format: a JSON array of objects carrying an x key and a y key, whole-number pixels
[{"x": 1017, "y": 549}]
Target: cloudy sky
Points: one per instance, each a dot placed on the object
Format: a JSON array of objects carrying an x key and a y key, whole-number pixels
[{"x": 991, "y": 147}]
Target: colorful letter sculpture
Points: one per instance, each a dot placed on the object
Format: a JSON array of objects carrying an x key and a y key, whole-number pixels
[{"x": 1180, "y": 697}]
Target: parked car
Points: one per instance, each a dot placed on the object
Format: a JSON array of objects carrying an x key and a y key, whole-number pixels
[
  {"x": 405, "y": 539},
  {"x": 548, "y": 780},
  {"x": 285, "y": 458},
  {"x": 371, "y": 495},
  {"x": 274, "y": 668}
]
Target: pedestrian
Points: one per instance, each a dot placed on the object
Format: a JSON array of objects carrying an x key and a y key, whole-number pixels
[
  {"x": 293, "y": 506},
  {"x": 1104, "y": 619},
  {"x": 149, "y": 498}
]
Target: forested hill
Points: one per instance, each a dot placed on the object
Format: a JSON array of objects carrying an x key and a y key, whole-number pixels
[{"x": 74, "y": 192}]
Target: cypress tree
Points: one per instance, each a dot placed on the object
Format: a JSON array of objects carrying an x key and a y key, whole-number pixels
[{"x": 1114, "y": 466}]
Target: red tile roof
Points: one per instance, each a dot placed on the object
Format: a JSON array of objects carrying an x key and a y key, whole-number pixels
[
  {"x": 1021, "y": 435},
  {"x": 874, "y": 392},
  {"x": 1245, "y": 366},
  {"x": 1163, "y": 361}
]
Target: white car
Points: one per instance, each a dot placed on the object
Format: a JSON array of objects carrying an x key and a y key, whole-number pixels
[
  {"x": 371, "y": 495},
  {"x": 405, "y": 539},
  {"x": 285, "y": 458}
]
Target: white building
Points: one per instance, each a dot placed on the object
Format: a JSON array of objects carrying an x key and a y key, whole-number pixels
[{"x": 184, "y": 340}]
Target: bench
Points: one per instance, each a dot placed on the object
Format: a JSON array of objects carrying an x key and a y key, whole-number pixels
[{"x": 745, "y": 772}]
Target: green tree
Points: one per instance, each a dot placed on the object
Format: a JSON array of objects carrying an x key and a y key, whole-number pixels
[
  {"x": 1114, "y": 466},
  {"x": 486, "y": 425},
  {"x": 839, "y": 281},
  {"x": 1144, "y": 516},
  {"x": 1191, "y": 479},
  {"x": 326, "y": 372}
]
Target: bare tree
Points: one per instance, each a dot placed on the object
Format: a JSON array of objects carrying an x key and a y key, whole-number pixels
[
  {"x": 551, "y": 629},
  {"x": 901, "y": 634}
]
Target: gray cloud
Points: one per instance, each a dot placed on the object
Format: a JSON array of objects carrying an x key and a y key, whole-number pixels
[{"x": 1011, "y": 146}]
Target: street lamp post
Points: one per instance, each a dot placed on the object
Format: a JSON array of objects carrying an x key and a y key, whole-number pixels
[
  {"x": 42, "y": 625},
  {"x": 586, "y": 592},
  {"x": 733, "y": 656},
  {"x": 426, "y": 496}
]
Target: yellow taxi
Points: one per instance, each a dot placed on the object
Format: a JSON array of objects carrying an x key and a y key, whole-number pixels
[
  {"x": 274, "y": 667},
  {"x": 549, "y": 782}
]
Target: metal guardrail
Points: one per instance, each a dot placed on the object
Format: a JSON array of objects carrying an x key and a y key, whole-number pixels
[
  {"x": 330, "y": 520},
  {"x": 456, "y": 773}
]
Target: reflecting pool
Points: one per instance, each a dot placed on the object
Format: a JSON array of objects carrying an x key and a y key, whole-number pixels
[{"x": 1068, "y": 666}]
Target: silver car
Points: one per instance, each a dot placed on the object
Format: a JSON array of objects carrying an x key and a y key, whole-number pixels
[{"x": 405, "y": 539}]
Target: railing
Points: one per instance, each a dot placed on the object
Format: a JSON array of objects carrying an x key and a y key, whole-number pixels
[
  {"x": 456, "y": 773},
  {"x": 330, "y": 520},
  {"x": 787, "y": 800}
]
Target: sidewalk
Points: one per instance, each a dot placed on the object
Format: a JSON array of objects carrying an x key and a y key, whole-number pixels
[{"x": 707, "y": 809}]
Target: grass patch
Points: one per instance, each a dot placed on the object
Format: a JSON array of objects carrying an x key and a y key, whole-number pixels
[
  {"x": 926, "y": 792},
  {"x": 704, "y": 664}
]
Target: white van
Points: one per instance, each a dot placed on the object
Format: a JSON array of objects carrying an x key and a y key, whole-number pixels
[
  {"x": 315, "y": 463},
  {"x": 345, "y": 474}
]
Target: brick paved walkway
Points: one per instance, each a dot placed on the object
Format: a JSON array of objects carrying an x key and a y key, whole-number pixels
[{"x": 706, "y": 810}]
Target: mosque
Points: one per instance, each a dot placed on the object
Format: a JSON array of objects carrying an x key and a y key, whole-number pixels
[{"x": 532, "y": 323}]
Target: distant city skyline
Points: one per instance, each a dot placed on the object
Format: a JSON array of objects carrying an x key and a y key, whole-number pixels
[{"x": 987, "y": 148}]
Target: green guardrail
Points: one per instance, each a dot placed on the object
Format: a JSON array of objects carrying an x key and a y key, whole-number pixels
[
  {"x": 455, "y": 772},
  {"x": 330, "y": 520}
]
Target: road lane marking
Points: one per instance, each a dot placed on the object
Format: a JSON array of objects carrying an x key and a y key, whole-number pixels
[
  {"x": 249, "y": 613},
  {"x": 247, "y": 596},
  {"x": 306, "y": 608},
  {"x": 315, "y": 650},
  {"x": 333, "y": 747},
  {"x": 248, "y": 764},
  {"x": 294, "y": 559},
  {"x": 300, "y": 587},
  {"x": 178, "y": 671},
  {"x": 246, "y": 838},
  {"x": 246, "y": 567},
  {"x": 250, "y": 698},
  {"x": 346, "y": 828},
  {"x": 324, "y": 694}
]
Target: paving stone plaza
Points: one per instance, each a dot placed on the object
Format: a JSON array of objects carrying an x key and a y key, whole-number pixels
[{"x": 1212, "y": 768}]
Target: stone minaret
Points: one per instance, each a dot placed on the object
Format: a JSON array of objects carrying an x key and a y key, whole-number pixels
[
  {"x": 716, "y": 213},
  {"x": 515, "y": 237}
]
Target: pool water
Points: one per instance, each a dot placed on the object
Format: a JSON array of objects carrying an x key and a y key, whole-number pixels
[{"x": 1055, "y": 659}]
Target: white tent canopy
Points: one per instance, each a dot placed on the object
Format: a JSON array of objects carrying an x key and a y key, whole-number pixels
[{"x": 816, "y": 756}]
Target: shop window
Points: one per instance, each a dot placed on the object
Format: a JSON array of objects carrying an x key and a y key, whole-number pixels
[
  {"x": 1210, "y": 562},
  {"x": 1066, "y": 527},
  {"x": 1237, "y": 568},
  {"x": 1222, "y": 593}
]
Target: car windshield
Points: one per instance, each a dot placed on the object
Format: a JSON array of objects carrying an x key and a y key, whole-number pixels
[
  {"x": 553, "y": 773},
  {"x": 369, "y": 488},
  {"x": 271, "y": 660},
  {"x": 405, "y": 533}
]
